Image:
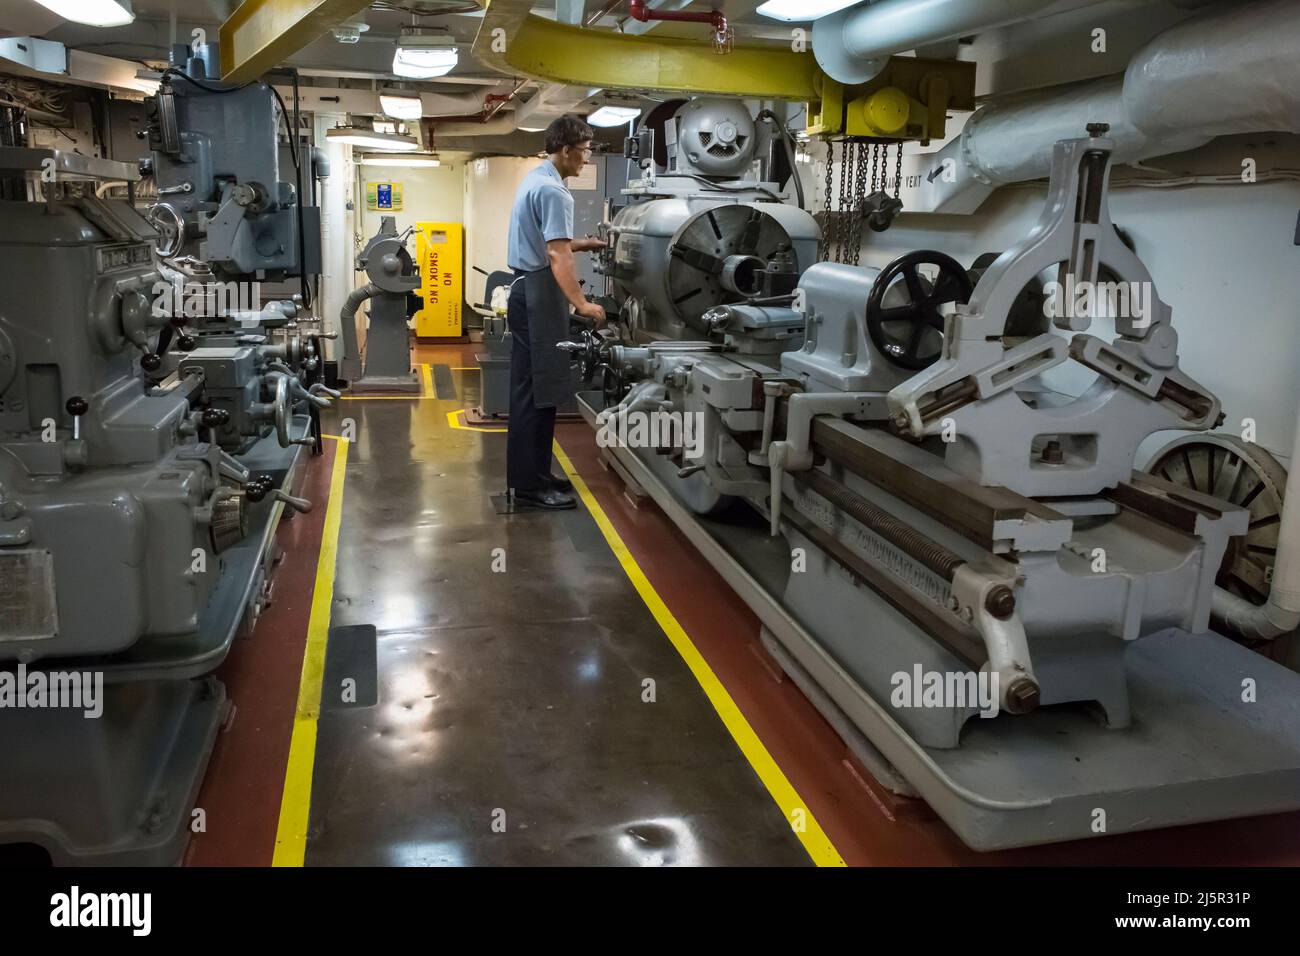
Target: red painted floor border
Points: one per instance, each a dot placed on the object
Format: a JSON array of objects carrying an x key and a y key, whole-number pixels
[{"x": 245, "y": 779}]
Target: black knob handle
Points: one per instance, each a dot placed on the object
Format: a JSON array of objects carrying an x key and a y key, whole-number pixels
[
  {"x": 151, "y": 362},
  {"x": 258, "y": 488},
  {"x": 77, "y": 406},
  {"x": 187, "y": 343},
  {"x": 215, "y": 417}
]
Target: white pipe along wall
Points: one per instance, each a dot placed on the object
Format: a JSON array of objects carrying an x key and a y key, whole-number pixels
[
  {"x": 854, "y": 45},
  {"x": 1232, "y": 71}
]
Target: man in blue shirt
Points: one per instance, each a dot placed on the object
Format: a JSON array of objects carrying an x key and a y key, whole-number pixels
[{"x": 541, "y": 252}]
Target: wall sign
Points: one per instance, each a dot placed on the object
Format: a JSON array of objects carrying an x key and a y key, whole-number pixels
[{"x": 384, "y": 196}]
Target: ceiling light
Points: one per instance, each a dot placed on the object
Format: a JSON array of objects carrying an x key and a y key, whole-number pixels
[
  {"x": 401, "y": 107},
  {"x": 799, "y": 11},
  {"x": 422, "y": 54},
  {"x": 614, "y": 115},
  {"x": 532, "y": 129},
  {"x": 400, "y": 161},
  {"x": 358, "y": 136},
  {"x": 95, "y": 13}
]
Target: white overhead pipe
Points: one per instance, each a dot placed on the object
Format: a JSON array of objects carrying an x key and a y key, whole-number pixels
[
  {"x": 327, "y": 99},
  {"x": 497, "y": 126},
  {"x": 1233, "y": 71},
  {"x": 854, "y": 45}
]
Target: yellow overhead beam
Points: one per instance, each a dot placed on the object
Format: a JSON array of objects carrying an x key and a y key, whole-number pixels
[
  {"x": 515, "y": 42},
  {"x": 262, "y": 34}
]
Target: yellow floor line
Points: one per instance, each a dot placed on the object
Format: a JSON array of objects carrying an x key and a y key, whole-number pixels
[
  {"x": 426, "y": 380},
  {"x": 805, "y": 825},
  {"x": 456, "y": 419},
  {"x": 389, "y": 398},
  {"x": 295, "y": 802}
]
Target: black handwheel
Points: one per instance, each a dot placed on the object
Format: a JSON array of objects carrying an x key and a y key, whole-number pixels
[{"x": 901, "y": 331}]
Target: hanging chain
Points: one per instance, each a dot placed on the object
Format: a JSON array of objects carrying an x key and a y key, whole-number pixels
[
  {"x": 864, "y": 169},
  {"x": 833, "y": 208},
  {"x": 898, "y": 172},
  {"x": 859, "y": 204},
  {"x": 850, "y": 191},
  {"x": 823, "y": 243},
  {"x": 832, "y": 220}
]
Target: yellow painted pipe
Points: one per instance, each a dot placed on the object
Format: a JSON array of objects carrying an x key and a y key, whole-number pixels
[{"x": 515, "y": 42}]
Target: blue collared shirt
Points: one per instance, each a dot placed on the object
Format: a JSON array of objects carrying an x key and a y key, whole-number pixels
[{"x": 543, "y": 211}]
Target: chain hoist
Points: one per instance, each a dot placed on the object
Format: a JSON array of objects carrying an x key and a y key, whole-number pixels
[
  {"x": 882, "y": 207},
  {"x": 862, "y": 165}
]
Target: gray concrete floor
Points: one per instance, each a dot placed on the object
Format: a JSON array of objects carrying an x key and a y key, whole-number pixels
[{"x": 510, "y": 727}]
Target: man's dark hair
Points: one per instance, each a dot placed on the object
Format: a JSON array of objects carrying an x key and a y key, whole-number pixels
[{"x": 567, "y": 130}]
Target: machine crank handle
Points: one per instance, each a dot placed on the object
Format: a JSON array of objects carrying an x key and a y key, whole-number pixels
[
  {"x": 301, "y": 505},
  {"x": 259, "y": 488}
]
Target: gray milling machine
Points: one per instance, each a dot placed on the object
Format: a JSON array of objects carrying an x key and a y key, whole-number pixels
[
  {"x": 935, "y": 515},
  {"x": 231, "y": 216},
  {"x": 149, "y": 444}
]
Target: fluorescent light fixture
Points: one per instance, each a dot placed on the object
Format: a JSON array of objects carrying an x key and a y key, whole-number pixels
[
  {"x": 368, "y": 139},
  {"x": 800, "y": 11},
  {"x": 423, "y": 55},
  {"x": 95, "y": 13},
  {"x": 401, "y": 107},
  {"x": 614, "y": 115},
  {"x": 422, "y": 63},
  {"x": 531, "y": 129},
  {"x": 422, "y": 161}
]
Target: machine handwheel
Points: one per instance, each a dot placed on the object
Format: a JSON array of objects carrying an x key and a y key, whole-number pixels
[{"x": 901, "y": 331}]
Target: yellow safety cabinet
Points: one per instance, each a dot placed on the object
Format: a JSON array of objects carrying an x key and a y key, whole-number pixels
[{"x": 438, "y": 250}]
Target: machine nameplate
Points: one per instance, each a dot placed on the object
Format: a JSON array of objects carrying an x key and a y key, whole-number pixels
[
  {"x": 117, "y": 258},
  {"x": 28, "y": 609}
]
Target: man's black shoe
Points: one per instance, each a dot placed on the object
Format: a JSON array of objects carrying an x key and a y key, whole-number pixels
[
  {"x": 545, "y": 498},
  {"x": 559, "y": 484}
]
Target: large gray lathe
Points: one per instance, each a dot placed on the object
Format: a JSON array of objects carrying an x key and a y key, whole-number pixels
[{"x": 958, "y": 515}]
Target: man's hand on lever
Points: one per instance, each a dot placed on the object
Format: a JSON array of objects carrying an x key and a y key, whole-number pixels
[
  {"x": 592, "y": 311},
  {"x": 589, "y": 244}
]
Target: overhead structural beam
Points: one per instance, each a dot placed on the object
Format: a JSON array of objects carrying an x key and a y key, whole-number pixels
[
  {"x": 261, "y": 34},
  {"x": 513, "y": 41}
]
